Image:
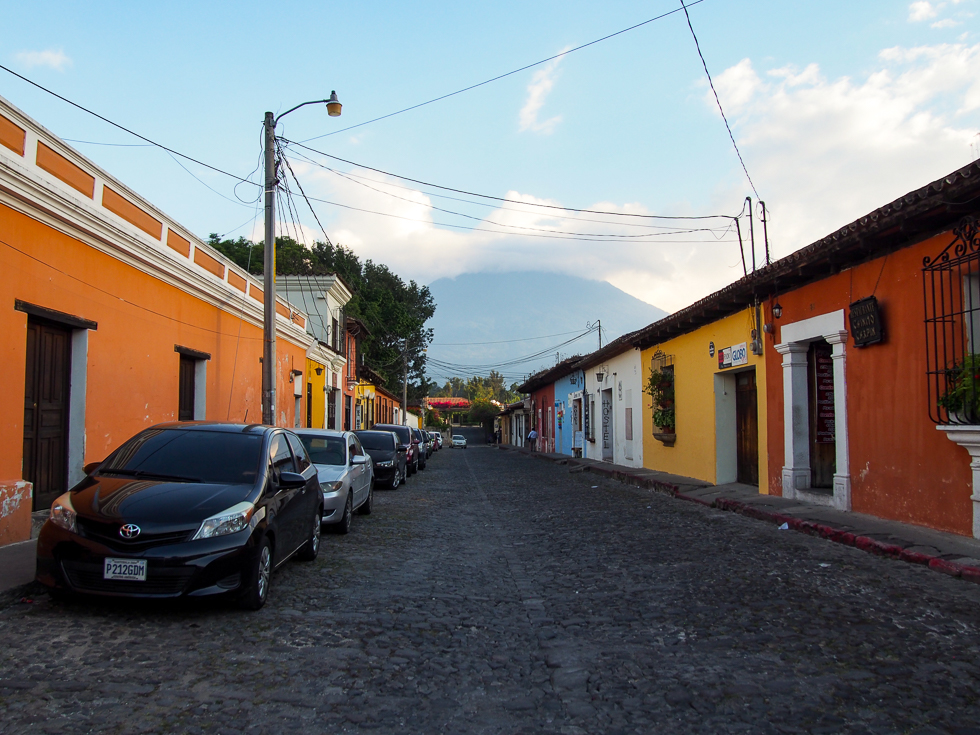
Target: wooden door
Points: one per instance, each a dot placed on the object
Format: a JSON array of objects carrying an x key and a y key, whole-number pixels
[
  {"x": 747, "y": 428},
  {"x": 823, "y": 439},
  {"x": 46, "y": 395},
  {"x": 185, "y": 409}
]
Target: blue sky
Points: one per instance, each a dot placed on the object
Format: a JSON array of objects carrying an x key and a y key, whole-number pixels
[{"x": 838, "y": 107}]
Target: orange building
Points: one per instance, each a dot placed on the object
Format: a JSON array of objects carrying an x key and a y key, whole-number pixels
[
  {"x": 116, "y": 318},
  {"x": 870, "y": 330}
]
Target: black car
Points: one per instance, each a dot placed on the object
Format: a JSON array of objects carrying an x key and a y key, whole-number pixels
[
  {"x": 185, "y": 509},
  {"x": 388, "y": 455},
  {"x": 419, "y": 439},
  {"x": 407, "y": 441}
]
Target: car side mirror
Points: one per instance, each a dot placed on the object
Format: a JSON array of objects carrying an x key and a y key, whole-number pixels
[
  {"x": 91, "y": 467},
  {"x": 290, "y": 480},
  {"x": 358, "y": 459}
]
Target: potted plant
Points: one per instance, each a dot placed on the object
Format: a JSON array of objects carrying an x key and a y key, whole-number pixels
[
  {"x": 962, "y": 396},
  {"x": 660, "y": 387}
]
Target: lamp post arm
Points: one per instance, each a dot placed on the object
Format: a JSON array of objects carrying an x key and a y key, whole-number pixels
[{"x": 277, "y": 118}]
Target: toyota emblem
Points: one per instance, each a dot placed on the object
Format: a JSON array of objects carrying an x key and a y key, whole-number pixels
[{"x": 130, "y": 530}]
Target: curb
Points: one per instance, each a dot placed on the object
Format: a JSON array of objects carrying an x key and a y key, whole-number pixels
[{"x": 864, "y": 543}]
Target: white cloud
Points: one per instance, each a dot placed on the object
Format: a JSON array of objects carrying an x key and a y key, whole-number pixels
[
  {"x": 945, "y": 23},
  {"x": 826, "y": 151},
  {"x": 51, "y": 58},
  {"x": 823, "y": 152},
  {"x": 537, "y": 92},
  {"x": 922, "y": 10}
]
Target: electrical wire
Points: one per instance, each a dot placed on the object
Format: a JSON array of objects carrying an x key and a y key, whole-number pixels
[
  {"x": 524, "y": 227},
  {"x": 120, "y": 298},
  {"x": 350, "y": 175},
  {"x": 501, "y": 76},
  {"x": 288, "y": 143},
  {"x": 717, "y": 100},
  {"x": 121, "y": 127},
  {"x": 500, "y": 342}
]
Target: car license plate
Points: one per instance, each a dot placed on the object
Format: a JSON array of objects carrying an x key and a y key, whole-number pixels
[{"x": 133, "y": 570}]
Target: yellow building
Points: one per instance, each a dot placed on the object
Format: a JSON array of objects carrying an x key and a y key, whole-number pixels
[{"x": 717, "y": 373}]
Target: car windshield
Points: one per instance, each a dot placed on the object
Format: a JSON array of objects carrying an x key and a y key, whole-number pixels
[
  {"x": 325, "y": 449},
  {"x": 377, "y": 441},
  {"x": 457, "y": 436},
  {"x": 220, "y": 457}
]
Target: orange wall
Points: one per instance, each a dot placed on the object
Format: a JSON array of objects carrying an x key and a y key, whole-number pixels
[
  {"x": 132, "y": 367},
  {"x": 901, "y": 467}
]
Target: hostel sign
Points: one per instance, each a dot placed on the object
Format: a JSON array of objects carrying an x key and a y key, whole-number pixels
[
  {"x": 865, "y": 318},
  {"x": 733, "y": 356}
]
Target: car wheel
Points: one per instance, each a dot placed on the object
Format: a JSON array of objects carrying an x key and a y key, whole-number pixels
[
  {"x": 368, "y": 505},
  {"x": 396, "y": 477},
  {"x": 343, "y": 525},
  {"x": 312, "y": 546},
  {"x": 256, "y": 590}
]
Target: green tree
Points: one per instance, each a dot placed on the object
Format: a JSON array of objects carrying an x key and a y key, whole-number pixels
[{"x": 394, "y": 312}]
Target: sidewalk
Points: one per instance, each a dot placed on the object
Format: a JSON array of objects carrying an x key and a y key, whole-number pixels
[
  {"x": 16, "y": 564},
  {"x": 958, "y": 556}
]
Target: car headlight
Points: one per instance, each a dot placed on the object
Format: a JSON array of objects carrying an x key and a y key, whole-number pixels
[
  {"x": 331, "y": 487},
  {"x": 389, "y": 463},
  {"x": 63, "y": 513},
  {"x": 236, "y": 518}
]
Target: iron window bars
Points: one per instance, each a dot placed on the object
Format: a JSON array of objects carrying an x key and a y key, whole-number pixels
[{"x": 951, "y": 294}]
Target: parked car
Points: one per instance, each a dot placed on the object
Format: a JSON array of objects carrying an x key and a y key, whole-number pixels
[
  {"x": 438, "y": 439},
  {"x": 430, "y": 443},
  {"x": 420, "y": 442},
  {"x": 459, "y": 441},
  {"x": 345, "y": 472},
  {"x": 388, "y": 455},
  {"x": 185, "y": 510},
  {"x": 406, "y": 440}
]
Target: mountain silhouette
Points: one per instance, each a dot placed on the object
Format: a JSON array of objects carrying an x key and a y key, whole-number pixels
[{"x": 480, "y": 316}]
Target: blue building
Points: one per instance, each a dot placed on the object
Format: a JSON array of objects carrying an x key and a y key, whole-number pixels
[{"x": 569, "y": 408}]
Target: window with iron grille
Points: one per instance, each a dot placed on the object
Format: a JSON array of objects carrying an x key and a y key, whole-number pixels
[{"x": 951, "y": 293}]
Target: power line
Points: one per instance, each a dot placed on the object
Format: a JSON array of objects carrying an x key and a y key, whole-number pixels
[
  {"x": 522, "y": 227},
  {"x": 500, "y": 76},
  {"x": 353, "y": 176},
  {"x": 502, "y": 341},
  {"x": 718, "y": 101},
  {"x": 123, "y": 128},
  {"x": 502, "y": 199}
]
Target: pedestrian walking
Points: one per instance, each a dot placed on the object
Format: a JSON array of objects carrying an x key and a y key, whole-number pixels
[{"x": 532, "y": 438}]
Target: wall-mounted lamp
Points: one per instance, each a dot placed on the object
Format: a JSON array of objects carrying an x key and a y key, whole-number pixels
[
  {"x": 319, "y": 370},
  {"x": 600, "y": 376},
  {"x": 777, "y": 310}
]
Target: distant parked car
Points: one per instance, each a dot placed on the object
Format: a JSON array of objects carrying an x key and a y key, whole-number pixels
[
  {"x": 185, "y": 510},
  {"x": 345, "y": 472},
  {"x": 459, "y": 441},
  {"x": 407, "y": 441},
  {"x": 420, "y": 442},
  {"x": 388, "y": 456},
  {"x": 437, "y": 439}
]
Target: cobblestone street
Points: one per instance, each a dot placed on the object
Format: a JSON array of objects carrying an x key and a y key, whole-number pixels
[{"x": 500, "y": 594}]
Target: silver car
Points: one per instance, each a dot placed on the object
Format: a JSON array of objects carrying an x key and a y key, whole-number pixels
[{"x": 345, "y": 472}]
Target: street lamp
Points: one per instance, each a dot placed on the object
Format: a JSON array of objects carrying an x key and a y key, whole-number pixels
[{"x": 269, "y": 274}]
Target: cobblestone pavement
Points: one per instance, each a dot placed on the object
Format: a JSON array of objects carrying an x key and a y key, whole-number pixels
[{"x": 499, "y": 594}]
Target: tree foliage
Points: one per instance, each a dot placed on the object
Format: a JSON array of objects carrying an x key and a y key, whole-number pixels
[
  {"x": 394, "y": 311},
  {"x": 490, "y": 387}
]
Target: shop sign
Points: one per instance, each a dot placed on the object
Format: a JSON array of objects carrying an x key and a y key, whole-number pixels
[
  {"x": 585, "y": 415},
  {"x": 865, "y": 319},
  {"x": 733, "y": 356},
  {"x": 826, "y": 432}
]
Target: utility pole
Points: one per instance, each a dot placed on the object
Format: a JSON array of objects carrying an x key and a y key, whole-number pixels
[
  {"x": 269, "y": 261},
  {"x": 405, "y": 386},
  {"x": 751, "y": 232},
  {"x": 269, "y": 277}
]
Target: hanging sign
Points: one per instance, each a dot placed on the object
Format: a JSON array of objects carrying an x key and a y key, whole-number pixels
[
  {"x": 865, "y": 318},
  {"x": 733, "y": 356}
]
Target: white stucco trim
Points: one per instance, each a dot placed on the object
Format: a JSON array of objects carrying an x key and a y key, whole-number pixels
[
  {"x": 796, "y": 338},
  {"x": 968, "y": 437},
  {"x": 78, "y": 377}
]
